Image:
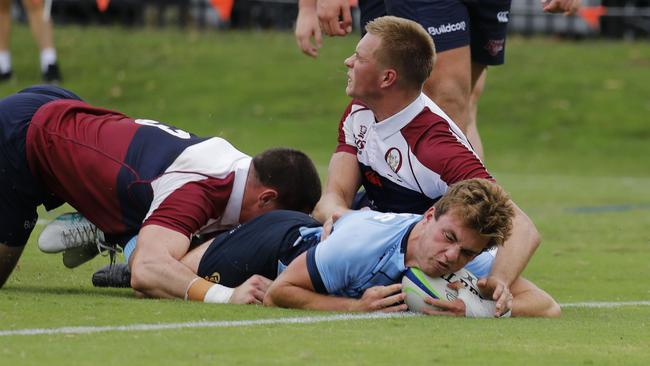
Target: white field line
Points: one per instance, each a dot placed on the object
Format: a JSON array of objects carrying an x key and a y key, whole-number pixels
[{"x": 246, "y": 323}]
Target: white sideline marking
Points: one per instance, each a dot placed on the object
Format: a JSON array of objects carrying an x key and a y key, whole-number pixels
[
  {"x": 203, "y": 324},
  {"x": 605, "y": 304},
  {"x": 245, "y": 323}
]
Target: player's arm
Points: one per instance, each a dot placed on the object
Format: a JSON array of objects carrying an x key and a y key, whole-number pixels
[
  {"x": 529, "y": 300},
  {"x": 343, "y": 182},
  {"x": 307, "y": 27},
  {"x": 160, "y": 268},
  {"x": 511, "y": 259},
  {"x": 329, "y": 13},
  {"x": 294, "y": 289},
  {"x": 8, "y": 258}
]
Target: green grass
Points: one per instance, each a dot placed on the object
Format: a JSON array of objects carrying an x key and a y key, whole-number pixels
[{"x": 566, "y": 130}]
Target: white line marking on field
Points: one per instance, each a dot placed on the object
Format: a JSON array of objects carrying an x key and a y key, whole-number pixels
[
  {"x": 246, "y": 323},
  {"x": 605, "y": 304},
  {"x": 203, "y": 324}
]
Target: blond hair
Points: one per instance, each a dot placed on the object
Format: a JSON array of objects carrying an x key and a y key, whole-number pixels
[
  {"x": 405, "y": 46},
  {"x": 482, "y": 205}
]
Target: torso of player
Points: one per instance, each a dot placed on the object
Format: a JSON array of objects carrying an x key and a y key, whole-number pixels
[
  {"x": 120, "y": 172},
  {"x": 408, "y": 160},
  {"x": 366, "y": 249}
]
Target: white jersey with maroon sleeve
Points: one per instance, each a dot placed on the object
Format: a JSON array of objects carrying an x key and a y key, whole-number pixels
[{"x": 408, "y": 160}]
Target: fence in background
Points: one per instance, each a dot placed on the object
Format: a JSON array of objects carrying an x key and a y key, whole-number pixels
[{"x": 608, "y": 18}]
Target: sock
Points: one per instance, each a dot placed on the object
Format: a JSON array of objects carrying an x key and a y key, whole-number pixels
[
  {"x": 129, "y": 248},
  {"x": 48, "y": 57},
  {"x": 5, "y": 61}
]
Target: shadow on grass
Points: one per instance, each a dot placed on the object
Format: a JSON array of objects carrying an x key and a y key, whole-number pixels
[{"x": 67, "y": 291}]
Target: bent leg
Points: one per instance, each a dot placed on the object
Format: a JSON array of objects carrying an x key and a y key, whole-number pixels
[
  {"x": 479, "y": 74},
  {"x": 449, "y": 84}
]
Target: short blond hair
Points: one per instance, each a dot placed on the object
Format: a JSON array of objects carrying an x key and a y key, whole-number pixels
[
  {"x": 482, "y": 205},
  {"x": 405, "y": 46}
]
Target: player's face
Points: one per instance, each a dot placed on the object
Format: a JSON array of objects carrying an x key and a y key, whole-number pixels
[
  {"x": 446, "y": 245},
  {"x": 364, "y": 74}
]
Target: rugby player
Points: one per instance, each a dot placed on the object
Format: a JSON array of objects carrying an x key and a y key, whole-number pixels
[{"x": 137, "y": 176}]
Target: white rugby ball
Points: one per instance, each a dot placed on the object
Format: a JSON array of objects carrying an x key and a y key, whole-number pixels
[{"x": 417, "y": 286}]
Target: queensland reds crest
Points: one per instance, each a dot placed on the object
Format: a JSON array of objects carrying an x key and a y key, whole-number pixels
[{"x": 394, "y": 159}]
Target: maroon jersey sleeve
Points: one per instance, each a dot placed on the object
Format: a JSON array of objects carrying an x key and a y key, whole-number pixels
[
  {"x": 440, "y": 150},
  {"x": 191, "y": 206}
]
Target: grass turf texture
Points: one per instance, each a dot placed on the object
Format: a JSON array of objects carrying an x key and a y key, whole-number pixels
[{"x": 565, "y": 129}]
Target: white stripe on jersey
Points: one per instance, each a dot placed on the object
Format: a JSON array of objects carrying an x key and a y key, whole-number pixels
[{"x": 214, "y": 158}]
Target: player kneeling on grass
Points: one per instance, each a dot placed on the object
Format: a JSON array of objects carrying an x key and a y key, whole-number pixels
[{"x": 359, "y": 267}]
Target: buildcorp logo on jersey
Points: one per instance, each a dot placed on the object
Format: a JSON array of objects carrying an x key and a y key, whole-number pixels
[{"x": 447, "y": 28}]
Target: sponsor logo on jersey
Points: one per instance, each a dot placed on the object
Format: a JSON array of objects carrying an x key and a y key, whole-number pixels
[
  {"x": 215, "y": 277},
  {"x": 494, "y": 46},
  {"x": 360, "y": 138},
  {"x": 393, "y": 158},
  {"x": 502, "y": 16},
  {"x": 447, "y": 28}
]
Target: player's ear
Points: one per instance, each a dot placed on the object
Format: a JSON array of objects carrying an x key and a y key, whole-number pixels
[
  {"x": 429, "y": 213},
  {"x": 268, "y": 197},
  {"x": 389, "y": 77}
]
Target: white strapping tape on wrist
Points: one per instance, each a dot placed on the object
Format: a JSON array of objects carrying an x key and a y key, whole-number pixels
[{"x": 218, "y": 294}]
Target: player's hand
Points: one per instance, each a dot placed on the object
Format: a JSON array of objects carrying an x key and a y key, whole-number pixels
[
  {"x": 568, "y": 7},
  {"x": 329, "y": 224},
  {"x": 455, "y": 307},
  {"x": 387, "y": 299},
  {"x": 307, "y": 28},
  {"x": 496, "y": 289},
  {"x": 329, "y": 12},
  {"x": 252, "y": 291}
]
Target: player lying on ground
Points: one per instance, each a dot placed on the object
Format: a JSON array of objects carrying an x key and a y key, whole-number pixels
[
  {"x": 360, "y": 265},
  {"x": 135, "y": 176}
]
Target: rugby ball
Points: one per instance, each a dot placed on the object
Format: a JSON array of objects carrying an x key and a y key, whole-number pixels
[{"x": 417, "y": 286}]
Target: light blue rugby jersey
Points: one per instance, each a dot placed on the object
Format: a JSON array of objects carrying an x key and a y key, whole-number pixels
[{"x": 366, "y": 249}]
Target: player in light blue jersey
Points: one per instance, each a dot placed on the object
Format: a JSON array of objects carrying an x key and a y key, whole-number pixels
[{"x": 359, "y": 267}]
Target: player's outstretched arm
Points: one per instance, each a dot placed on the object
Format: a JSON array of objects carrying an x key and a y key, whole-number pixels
[
  {"x": 529, "y": 300},
  {"x": 329, "y": 12},
  {"x": 8, "y": 258},
  {"x": 294, "y": 289},
  {"x": 511, "y": 259},
  {"x": 308, "y": 34},
  {"x": 343, "y": 182}
]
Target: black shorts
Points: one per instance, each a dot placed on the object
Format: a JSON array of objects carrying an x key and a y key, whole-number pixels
[
  {"x": 256, "y": 247},
  {"x": 20, "y": 190},
  {"x": 482, "y": 24}
]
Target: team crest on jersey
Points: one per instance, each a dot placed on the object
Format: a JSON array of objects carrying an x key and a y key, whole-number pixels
[{"x": 394, "y": 159}]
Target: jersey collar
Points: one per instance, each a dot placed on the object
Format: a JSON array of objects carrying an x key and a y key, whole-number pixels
[
  {"x": 397, "y": 121},
  {"x": 233, "y": 208}
]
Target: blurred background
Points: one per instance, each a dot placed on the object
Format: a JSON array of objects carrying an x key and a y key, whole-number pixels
[{"x": 608, "y": 18}]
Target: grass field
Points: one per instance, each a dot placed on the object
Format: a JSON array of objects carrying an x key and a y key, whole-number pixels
[{"x": 566, "y": 130}]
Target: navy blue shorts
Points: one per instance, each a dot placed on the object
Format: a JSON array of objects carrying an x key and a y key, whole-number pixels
[
  {"x": 482, "y": 24},
  {"x": 20, "y": 190},
  {"x": 256, "y": 247}
]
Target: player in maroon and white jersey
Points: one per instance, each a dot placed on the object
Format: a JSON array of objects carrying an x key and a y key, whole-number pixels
[
  {"x": 401, "y": 147},
  {"x": 135, "y": 176}
]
